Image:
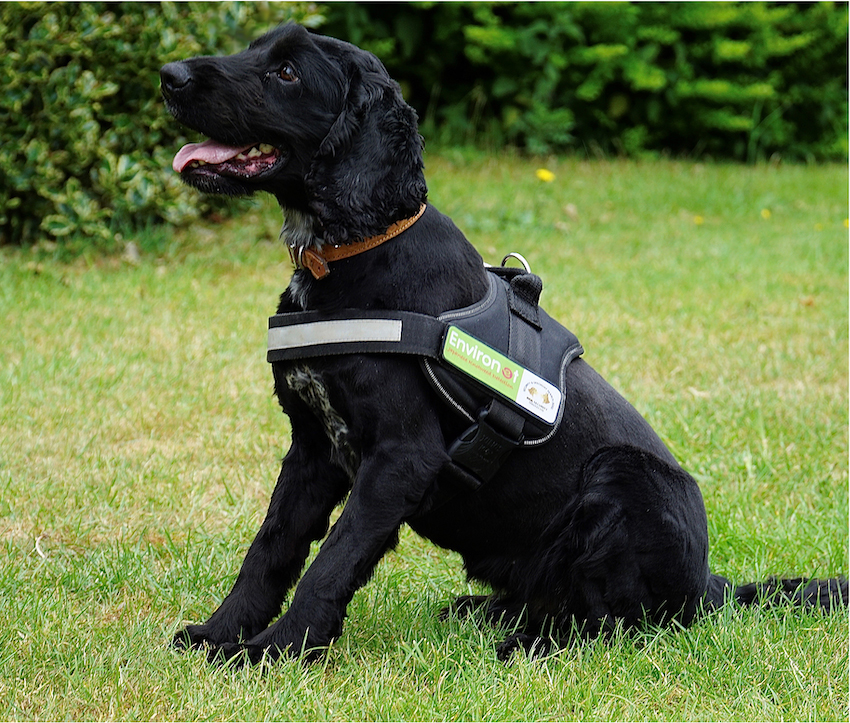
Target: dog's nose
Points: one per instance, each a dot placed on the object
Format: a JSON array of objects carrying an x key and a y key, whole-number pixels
[{"x": 174, "y": 77}]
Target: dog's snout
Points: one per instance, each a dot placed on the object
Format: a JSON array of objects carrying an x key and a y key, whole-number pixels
[{"x": 174, "y": 77}]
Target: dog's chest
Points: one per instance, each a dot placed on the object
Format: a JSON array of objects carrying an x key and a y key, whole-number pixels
[{"x": 310, "y": 388}]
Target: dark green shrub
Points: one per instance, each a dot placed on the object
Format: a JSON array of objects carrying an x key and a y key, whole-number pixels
[
  {"x": 85, "y": 143},
  {"x": 741, "y": 80}
]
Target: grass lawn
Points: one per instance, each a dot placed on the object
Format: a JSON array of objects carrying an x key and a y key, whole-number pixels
[{"x": 139, "y": 443}]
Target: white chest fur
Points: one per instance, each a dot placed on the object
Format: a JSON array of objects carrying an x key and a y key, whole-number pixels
[{"x": 313, "y": 392}]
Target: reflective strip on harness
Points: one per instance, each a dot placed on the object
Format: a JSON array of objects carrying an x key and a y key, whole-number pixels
[
  {"x": 305, "y": 334},
  {"x": 316, "y": 333}
]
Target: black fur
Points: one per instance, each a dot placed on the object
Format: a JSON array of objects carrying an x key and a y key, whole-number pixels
[{"x": 598, "y": 527}]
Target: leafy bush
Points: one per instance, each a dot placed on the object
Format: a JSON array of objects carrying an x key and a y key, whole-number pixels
[
  {"x": 85, "y": 144},
  {"x": 741, "y": 80}
]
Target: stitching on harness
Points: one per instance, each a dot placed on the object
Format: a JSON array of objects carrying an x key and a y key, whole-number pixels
[
  {"x": 445, "y": 392},
  {"x": 569, "y": 357},
  {"x": 487, "y": 301}
]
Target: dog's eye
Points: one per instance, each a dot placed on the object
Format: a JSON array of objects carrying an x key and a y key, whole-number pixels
[{"x": 287, "y": 73}]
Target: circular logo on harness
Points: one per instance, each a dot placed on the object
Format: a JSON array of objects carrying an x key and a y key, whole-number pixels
[
  {"x": 507, "y": 373},
  {"x": 540, "y": 397}
]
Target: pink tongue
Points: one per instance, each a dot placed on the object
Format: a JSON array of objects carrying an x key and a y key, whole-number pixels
[{"x": 208, "y": 151}]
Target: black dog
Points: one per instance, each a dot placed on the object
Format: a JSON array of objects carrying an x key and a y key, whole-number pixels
[{"x": 599, "y": 526}]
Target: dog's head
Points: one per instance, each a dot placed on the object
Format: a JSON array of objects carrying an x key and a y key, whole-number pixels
[{"x": 313, "y": 120}]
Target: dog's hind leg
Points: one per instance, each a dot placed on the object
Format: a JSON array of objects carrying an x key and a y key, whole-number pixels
[
  {"x": 463, "y": 606},
  {"x": 718, "y": 593},
  {"x": 497, "y": 610},
  {"x": 307, "y": 490},
  {"x": 631, "y": 547},
  {"x": 534, "y": 646}
]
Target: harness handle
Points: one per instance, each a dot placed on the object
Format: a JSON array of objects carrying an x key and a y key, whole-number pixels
[{"x": 518, "y": 257}]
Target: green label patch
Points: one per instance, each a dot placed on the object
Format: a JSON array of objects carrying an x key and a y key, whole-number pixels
[{"x": 501, "y": 374}]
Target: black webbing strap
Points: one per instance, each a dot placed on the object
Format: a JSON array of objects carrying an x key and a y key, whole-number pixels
[
  {"x": 523, "y": 296},
  {"x": 305, "y": 334}
]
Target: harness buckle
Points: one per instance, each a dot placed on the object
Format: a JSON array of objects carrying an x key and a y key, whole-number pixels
[{"x": 482, "y": 449}]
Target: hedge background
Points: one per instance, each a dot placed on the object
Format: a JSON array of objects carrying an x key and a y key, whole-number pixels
[
  {"x": 86, "y": 142},
  {"x": 740, "y": 80}
]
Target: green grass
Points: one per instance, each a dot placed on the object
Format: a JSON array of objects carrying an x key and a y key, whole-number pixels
[{"x": 139, "y": 442}]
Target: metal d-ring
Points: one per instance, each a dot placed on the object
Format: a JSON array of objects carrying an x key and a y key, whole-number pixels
[
  {"x": 295, "y": 253},
  {"x": 518, "y": 257}
]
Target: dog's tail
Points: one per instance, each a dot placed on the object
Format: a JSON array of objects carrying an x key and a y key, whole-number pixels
[{"x": 828, "y": 594}]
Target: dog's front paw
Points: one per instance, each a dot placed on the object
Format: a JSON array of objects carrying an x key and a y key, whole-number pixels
[
  {"x": 194, "y": 637},
  {"x": 238, "y": 655},
  {"x": 235, "y": 655},
  {"x": 190, "y": 637},
  {"x": 222, "y": 651}
]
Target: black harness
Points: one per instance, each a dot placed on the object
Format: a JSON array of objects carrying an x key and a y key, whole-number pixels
[{"x": 500, "y": 363}]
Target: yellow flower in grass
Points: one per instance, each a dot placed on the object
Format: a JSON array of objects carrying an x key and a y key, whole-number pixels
[
  {"x": 765, "y": 213},
  {"x": 545, "y": 175},
  {"x": 699, "y": 220},
  {"x": 847, "y": 223}
]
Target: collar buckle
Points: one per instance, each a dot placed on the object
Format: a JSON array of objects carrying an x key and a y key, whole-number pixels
[
  {"x": 295, "y": 255},
  {"x": 306, "y": 257}
]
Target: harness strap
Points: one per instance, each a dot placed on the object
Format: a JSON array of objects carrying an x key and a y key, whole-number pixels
[
  {"x": 485, "y": 446},
  {"x": 524, "y": 340},
  {"x": 478, "y": 452},
  {"x": 305, "y": 334}
]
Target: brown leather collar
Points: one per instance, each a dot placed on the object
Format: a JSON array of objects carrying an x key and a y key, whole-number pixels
[{"x": 316, "y": 260}]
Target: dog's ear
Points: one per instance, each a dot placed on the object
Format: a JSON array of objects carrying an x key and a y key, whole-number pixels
[{"x": 368, "y": 170}]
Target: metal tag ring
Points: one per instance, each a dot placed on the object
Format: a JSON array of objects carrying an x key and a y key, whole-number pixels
[{"x": 518, "y": 257}]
